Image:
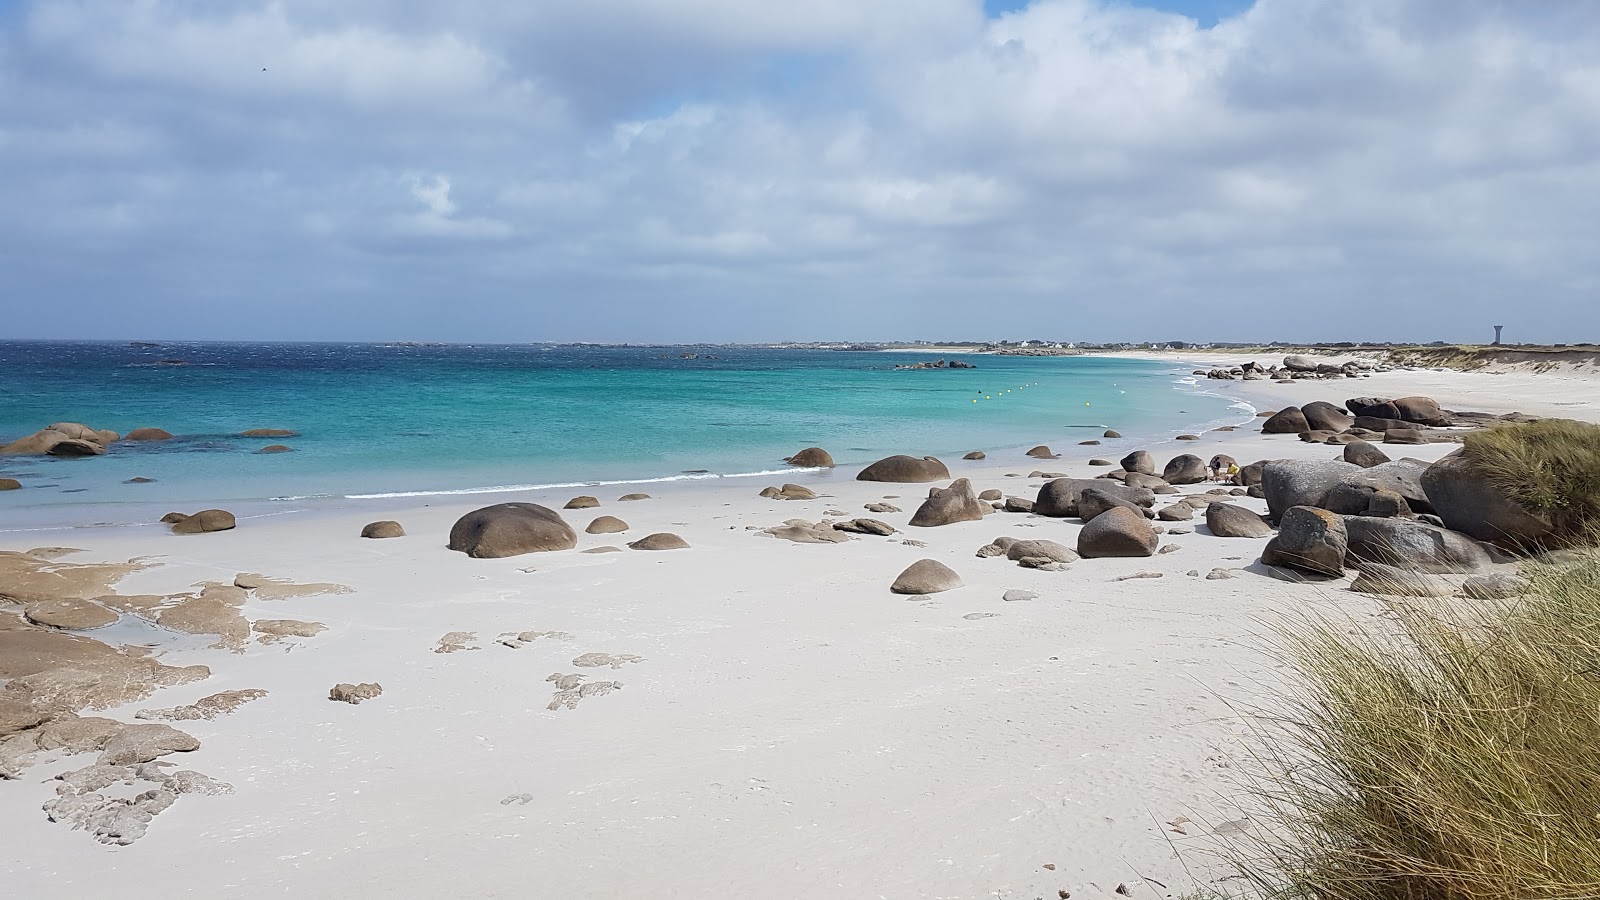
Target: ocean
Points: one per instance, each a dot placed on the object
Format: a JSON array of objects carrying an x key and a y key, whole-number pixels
[{"x": 379, "y": 422}]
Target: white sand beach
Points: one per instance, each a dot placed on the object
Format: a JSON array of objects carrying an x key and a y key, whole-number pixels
[{"x": 782, "y": 725}]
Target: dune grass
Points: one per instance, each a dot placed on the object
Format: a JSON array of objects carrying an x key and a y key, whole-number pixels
[
  {"x": 1449, "y": 752},
  {"x": 1550, "y": 466}
]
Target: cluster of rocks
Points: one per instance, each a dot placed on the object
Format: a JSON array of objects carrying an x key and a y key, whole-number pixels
[
  {"x": 938, "y": 364},
  {"x": 1295, "y": 367},
  {"x": 1407, "y": 420},
  {"x": 76, "y": 440}
]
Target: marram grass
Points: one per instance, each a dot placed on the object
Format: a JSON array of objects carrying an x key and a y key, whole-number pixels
[{"x": 1551, "y": 467}]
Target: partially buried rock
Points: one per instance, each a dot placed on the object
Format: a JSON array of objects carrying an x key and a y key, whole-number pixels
[
  {"x": 1112, "y": 434},
  {"x": 976, "y": 454},
  {"x": 991, "y": 494},
  {"x": 880, "y": 507},
  {"x": 1043, "y": 452},
  {"x": 1187, "y": 437},
  {"x": 1018, "y": 505},
  {"x": 148, "y": 434},
  {"x": 661, "y": 540},
  {"x": 354, "y": 693},
  {"x": 1495, "y": 586},
  {"x": 865, "y": 526},
  {"x": 139, "y": 479},
  {"x": 1042, "y": 551},
  {"x": 269, "y": 433},
  {"x": 137, "y": 744},
  {"x": 276, "y": 448},
  {"x": 1177, "y": 512},
  {"x": 69, "y": 614},
  {"x": 1404, "y": 436},
  {"x": 802, "y": 532},
  {"x": 926, "y": 576},
  {"x": 1227, "y": 520},
  {"x": 905, "y": 470},
  {"x": 1101, "y": 462},
  {"x": 789, "y": 492},
  {"x": 629, "y": 498},
  {"x": 511, "y": 529},
  {"x": 206, "y": 520},
  {"x": 1397, "y": 581},
  {"x": 9, "y": 484},
  {"x": 811, "y": 458},
  {"x": 1363, "y": 454},
  {"x": 1117, "y": 532},
  {"x": 1416, "y": 546},
  {"x": 956, "y": 503},
  {"x": 582, "y": 502},
  {"x": 606, "y": 525},
  {"x": 1309, "y": 540},
  {"x": 388, "y": 528},
  {"x": 71, "y": 448}
]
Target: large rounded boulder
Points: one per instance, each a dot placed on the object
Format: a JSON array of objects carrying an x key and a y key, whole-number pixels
[
  {"x": 1117, "y": 533},
  {"x": 946, "y": 506},
  {"x": 1421, "y": 410},
  {"x": 1414, "y": 545},
  {"x": 661, "y": 540},
  {"x": 1471, "y": 503},
  {"x": 1360, "y": 453},
  {"x": 1230, "y": 521},
  {"x": 1185, "y": 469},
  {"x": 905, "y": 470},
  {"x": 1289, "y": 420},
  {"x": 1309, "y": 540},
  {"x": 1095, "y": 501},
  {"x": 1324, "y": 416},
  {"x": 388, "y": 528},
  {"x": 511, "y": 529},
  {"x": 1300, "y": 482},
  {"x": 811, "y": 458},
  {"x": 926, "y": 576},
  {"x": 204, "y": 521},
  {"x": 1139, "y": 461},
  {"x": 1059, "y": 498},
  {"x": 606, "y": 525},
  {"x": 148, "y": 434}
]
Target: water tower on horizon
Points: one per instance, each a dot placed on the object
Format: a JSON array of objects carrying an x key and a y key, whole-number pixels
[{"x": 1497, "y": 334}]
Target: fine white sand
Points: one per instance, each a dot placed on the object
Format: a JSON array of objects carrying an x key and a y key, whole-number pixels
[{"x": 790, "y": 729}]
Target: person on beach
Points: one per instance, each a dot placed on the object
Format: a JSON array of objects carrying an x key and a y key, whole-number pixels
[{"x": 1221, "y": 468}]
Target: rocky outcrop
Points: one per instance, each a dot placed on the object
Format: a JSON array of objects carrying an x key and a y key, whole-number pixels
[
  {"x": 69, "y": 614},
  {"x": 1469, "y": 503},
  {"x": 1309, "y": 540},
  {"x": 1289, "y": 420},
  {"x": 206, "y": 520},
  {"x": 811, "y": 458},
  {"x": 388, "y": 528},
  {"x": 926, "y": 576},
  {"x": 1305, "y": 482},
  {"x": 606, "y": 525},
  {"x": 1117, "y": 532},
  {"x": 905, "y": 470},
  {"x": 1184, "y": 469},
  {"x": 1414, "y": 545},
  {"x": 511, "y": 529},
  {"x": 661, "y": 540},
  {"x": 1230, "y": 521},
  {"x": 61, "y": 439},
  {"x": 956, "y": 503}
]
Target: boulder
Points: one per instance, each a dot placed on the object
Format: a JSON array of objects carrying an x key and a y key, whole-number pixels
[
  {"x": 1360, "y": 453},
  {"x": 996, "y": 547},
  {"x": 1141, "y": 480},
  {"x": 1414, "y": 545},
  {"x": 1289, "y": 420},
  {"x": 1250, "y": 476},
  {"x": 1471, "y": 504},
  {"x": 1302, "y": 482},
  {"x": 1043, "y": 452},
  {"x": 1402, "y": 476},
  {"x": 661, "y": 540},
  {"x": 139, "y": 479},
  {"x": 811, "y": 458},
  {"x": 1341, "y": 438},
  {"x": 1185, "y": 469},
  {"x": 1111, "y": 434},
  {"x": 1421, "y": 410},
  {"x": 1317, "y": 437},
  {"x": 630, "y": 498},
  {"x": 276, "y": 448},
  {"x": 606, "y": 525},
  {"x": 803, "y": 532},
  {"x": 205, "y": 520},
  {"x": 1230, "y": 521},
  {"x": 976, "y": 454},
  {"x": 1404, "y": 436},
  {"x": 269, "y": 432},
  {"x": 880, "y": 507},
  {"x": 1139, "y": 461},
  {"x": 73, "y": 447},
  {"x": 1324, "y": 416},
  {"x": 1117, "y": 532},
  {"x": 9, "y": 484},
  {"x": 956, "y": 503},
  {"x": 1018, "y": 505},
  {"x": 1309, "y": 540},
  {"x": 1495, "y": 586},
  {"x": 789, "y": 492},
  {"x": 135, "y": 744},
  {"x": 344, "y": 692},
  {"x": 1177, "y": 512},
  {"x": 865, "y": 526},
  {"x": 1350, "y": 499},
  {"x": 1059, "y": 498},
  {"x": 1049, "y": 551},
  {"x": 511, "y": 529},
  {"x": 905, "y": 470},
  {"x": 582, "y": 502},
  {"x": 1101, "y": 462},
  {"x": 148, "y": 434},
  {"x": 991, "y": 494},
  {"x": 926, "y": 576},
  {"x": 1095, "y": 501},
  {"x": 388, "y": 528},
  {"x": 1375, "y": 407},
  {"x": 1299, "y": 364}
]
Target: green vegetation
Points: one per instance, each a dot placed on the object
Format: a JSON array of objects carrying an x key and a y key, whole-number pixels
[
  {"x": 1449, "y": 752},
  {"x": 1551, "y": 467}
]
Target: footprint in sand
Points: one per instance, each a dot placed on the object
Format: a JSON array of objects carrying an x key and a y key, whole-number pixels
[
  {"x": 596, "y": 660},
  {"x": 572, "y": 688},
  {"x": 456, "y": 640},
  {"x": 518, "y": 639}
]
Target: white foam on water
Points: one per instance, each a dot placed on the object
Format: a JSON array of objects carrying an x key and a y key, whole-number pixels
[{"x": 509, "y": 488}]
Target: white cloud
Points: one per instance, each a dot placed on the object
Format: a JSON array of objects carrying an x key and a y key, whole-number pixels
[{"x": 1101, "y": 169}]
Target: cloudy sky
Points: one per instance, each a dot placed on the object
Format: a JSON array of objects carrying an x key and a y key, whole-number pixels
[{"x": 678, "y": 170}]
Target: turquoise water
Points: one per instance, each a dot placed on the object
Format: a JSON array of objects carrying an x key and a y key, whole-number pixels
[{"x": 376, "y": 421}]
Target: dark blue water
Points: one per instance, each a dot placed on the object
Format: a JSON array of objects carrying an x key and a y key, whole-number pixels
[{"x": 383, "y": 420}]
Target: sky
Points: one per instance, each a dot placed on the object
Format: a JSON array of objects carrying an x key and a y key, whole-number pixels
[{"x": 740, "y": 170}]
